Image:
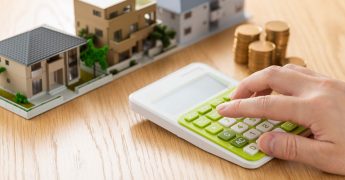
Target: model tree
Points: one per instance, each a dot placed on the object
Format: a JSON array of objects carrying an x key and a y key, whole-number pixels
[
  {"x": 86, "y": 35},
  {"x": 162, "y": 33},
  {"x": 2, "y": 69},
  {"x": 92, "y": 55}
]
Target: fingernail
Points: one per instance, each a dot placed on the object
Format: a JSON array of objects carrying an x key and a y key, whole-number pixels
[
  {"x": 232, "y": 94},
  {"x": 266, "y": 143},
  {"x": 221, "y": 107}
]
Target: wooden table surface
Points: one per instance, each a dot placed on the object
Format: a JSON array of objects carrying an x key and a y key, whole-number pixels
[{"x": 97, "y": 136}]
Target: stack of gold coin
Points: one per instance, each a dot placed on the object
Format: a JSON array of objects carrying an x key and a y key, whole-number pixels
[
  {"x": 244, "y": 35},
  {"x": 295, "y": 60},
  {"x": 261, "y": 55},
  {"x": 278, "y": 32}
]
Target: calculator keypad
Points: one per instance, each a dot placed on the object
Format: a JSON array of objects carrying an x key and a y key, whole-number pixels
[{"x": 237, "y": 135}]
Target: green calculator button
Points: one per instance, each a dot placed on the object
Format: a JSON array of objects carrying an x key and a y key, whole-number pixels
[
  {"x": 213, "y": 115},
  {"x": 226, "y": 98},
  {"x": 205, "y": 109},
  {"x": 226, "y": 135},
  {"x": 239, "y": 142},
  {"x": 288, "y": 126},
  {"x": 191, "y": 116},
  {"x": 216, "y": 102},
  {"x": 202, "y": 122},
  {"x": 214, "y": 128}
]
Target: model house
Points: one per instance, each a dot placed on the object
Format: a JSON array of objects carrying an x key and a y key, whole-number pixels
[
  {"x": 124, "y": 25},
  {"x": 193, "y": 19},
  {"x": 39, "y": 61}
]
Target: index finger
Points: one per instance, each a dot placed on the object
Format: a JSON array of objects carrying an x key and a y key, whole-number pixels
[{"x": 280, "y": 79}]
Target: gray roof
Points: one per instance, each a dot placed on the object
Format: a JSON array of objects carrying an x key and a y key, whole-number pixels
[
  {"x": 38, "y": 44},
  {"x": 180, "y": 6}
]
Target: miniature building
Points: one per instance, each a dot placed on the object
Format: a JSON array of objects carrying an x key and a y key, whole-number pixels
[
  {"x": 122, "y": 24},
  {"x": 192, "y": 19},
  {"x": 39, "y": 61}
]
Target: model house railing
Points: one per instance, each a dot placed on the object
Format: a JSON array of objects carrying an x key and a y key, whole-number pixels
[{"x": 36, "y": 73}]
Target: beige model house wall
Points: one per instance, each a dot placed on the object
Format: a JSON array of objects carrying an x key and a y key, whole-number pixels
[
  {"x": 123, "y": 25},
  {"x": 39, "y": 61},
  {"x": 41, "y": 77}
]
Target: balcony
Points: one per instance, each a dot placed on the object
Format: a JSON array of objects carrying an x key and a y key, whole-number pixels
[
  {"x": 216, "y": 15},
  {"x": 132, "y": 39},
  {"x": 36, "y": 73},
  {"x": 124, "y": 44}
]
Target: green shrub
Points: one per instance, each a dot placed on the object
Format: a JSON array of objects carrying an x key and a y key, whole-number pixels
[
  {"x": 21, "y": 99},
  {"x": 114, "y": 71},
  {"x": 132, "y": 63},
  {"x": 2, "y": 69}
]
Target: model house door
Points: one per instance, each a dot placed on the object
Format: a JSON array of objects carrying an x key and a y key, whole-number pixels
[
  {"x": 58, "y": 77},
  {"x": 55, "y": 79}
]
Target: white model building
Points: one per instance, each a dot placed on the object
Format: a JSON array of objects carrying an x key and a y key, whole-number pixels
[{"x": 192, "y": 19}]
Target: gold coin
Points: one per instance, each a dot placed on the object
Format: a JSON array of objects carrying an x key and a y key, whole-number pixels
[
  {"x": 262, "y": 46},
  {"x": 296, "y": 61},
  {"x": 248, "y": 30},
  {"x": 277, "y": 26}
]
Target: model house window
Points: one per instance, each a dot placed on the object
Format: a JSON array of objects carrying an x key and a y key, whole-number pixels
[
  {"x": 134, "y": 27},
  {"x": 8, "y": 80},
  {"x": 7, "y": 62},
  {"x": 96, "y": 13},
  {"x": 36, "y": 66},
  {"x": 172, "y": 15},
  {"x": 36, "y": 86},
  {"x": 149, "y": 18},
  {"x": 188, "y": 15},
  {"x": 187, "y": 31},
  {"x": 113, "y": 15},
  {"x": 124, "y": 56},
  {"x": 127, "y": 9},
  {"x": 78, "y": 24},
  {"x": 98, "y": 32},
  {"x": 118, "y": 36},
  {"x": 73, "y": 64}
]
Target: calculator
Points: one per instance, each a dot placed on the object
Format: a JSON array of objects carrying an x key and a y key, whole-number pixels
[{"x": 185, "y": 102}]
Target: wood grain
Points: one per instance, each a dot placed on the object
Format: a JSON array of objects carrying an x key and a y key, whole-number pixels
[{"x": 97, "y": 136}]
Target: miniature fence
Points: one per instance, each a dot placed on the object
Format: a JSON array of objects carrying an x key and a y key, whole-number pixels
[
  {"x": 33, "y": 111},
  {"x": 120, "y": 66},
  {"x": 93, "y": 84}
]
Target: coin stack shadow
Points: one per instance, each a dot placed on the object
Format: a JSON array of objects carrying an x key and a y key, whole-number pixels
[{"x": 244, "y": 35}]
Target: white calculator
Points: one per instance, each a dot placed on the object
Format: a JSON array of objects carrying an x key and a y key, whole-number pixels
[{"x": 185, "y": 102}]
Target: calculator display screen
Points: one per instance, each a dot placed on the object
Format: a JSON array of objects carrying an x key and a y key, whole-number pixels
[{"x": 189, "y": 95}]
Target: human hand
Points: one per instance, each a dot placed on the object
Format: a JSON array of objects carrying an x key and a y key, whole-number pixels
[{"x": 306, "y": 98}]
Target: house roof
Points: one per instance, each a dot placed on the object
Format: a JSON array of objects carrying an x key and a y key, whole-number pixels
[
  {"x": 180, "y": 6},
  {"x": 37, "y": 44},
  {"x": 103, "y": 4}
]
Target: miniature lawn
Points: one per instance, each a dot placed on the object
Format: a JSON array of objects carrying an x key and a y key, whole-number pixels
[
  {"x": 11, "y": 97},
  {"x": 84, "y": 77}
]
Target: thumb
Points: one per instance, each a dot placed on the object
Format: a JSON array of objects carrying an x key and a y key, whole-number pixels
[{"x": 292, "y": 147}]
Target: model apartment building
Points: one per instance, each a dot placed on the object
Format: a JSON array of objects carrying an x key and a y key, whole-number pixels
[
  {"x": 192, "y": 19},
  {"x": 39, "y": 61},
  {"x": 123, "y": 25}
]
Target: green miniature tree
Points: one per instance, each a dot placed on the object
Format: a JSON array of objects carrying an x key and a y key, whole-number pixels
[
  {"x": 92, "y": 55},
  {"x": 162, "y": 33},
  {"x": 2, "y": 69},
  {"x": 21, "y": 99},
  {"x": 86, "y": 35}
]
